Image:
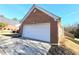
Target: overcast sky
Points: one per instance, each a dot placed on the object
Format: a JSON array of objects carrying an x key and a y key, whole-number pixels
[{"x": 69, "y": 13}]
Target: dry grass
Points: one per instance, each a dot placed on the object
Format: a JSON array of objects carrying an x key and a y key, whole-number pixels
[{"x": 71, "y": 44}]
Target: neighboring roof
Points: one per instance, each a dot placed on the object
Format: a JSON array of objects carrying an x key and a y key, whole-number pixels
[
  {"x": 43, "y": 10},
  {"x": 8, "y": 21}
]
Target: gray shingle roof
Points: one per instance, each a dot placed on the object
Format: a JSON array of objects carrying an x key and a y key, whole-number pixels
[{"x": 8, "y": 21}]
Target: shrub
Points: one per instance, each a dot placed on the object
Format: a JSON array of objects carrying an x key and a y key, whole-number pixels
[{"x": 3, "y": 24}]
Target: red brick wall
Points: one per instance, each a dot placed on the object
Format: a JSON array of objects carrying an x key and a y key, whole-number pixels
[{"x": 41, "y": 17}]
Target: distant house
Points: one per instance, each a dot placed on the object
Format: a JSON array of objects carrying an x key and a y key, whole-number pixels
[
  {"x": 10, "y": 27},
  {"x": 39, "y": 24},
  {"x": 11, "y": 24}
]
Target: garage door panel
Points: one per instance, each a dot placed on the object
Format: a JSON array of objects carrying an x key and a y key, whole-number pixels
[{"x": 37, "y": 31}]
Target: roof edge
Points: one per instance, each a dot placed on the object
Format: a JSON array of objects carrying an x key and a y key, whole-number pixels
[
  {"x": 56, "y": 18},
  {"x": 47, "y": 12},
  {"x": 27, "y": 14}
]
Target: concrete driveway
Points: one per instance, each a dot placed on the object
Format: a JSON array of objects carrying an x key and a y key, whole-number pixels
[{"x": 19, "y": 46}]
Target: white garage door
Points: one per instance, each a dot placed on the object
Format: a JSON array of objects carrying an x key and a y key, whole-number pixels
[{"x": 39, "y": 31}]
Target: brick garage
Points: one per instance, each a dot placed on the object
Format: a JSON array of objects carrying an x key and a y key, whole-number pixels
[{"x": 42, "y": 25}]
